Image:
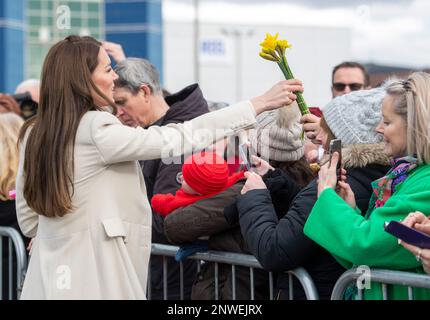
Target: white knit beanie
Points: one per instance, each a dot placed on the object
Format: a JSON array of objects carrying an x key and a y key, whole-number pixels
[
  {"x": 277, "y": 135},
  {"x": 353, "y": 117}
]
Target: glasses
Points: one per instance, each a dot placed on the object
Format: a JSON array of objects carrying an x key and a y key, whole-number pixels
[{"x": 339, "y": 86}]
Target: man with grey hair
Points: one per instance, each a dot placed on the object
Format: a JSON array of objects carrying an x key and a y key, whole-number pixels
[
  {"x": 346, "y": 77},
  {"x": 140, "y": 102},
  {"x": 138, "y": 93}
]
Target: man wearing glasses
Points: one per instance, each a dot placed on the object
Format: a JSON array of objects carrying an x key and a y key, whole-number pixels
[{"x": 347, "y": 77}]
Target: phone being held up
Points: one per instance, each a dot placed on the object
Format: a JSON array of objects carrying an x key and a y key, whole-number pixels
[
  {"x": 408, "y": 235},
  {"x": 336, "y": 146},
  {"x": 245, "y": 155}
]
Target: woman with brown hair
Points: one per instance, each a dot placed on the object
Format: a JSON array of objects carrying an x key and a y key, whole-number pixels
[{"x": 80, "y": 191}]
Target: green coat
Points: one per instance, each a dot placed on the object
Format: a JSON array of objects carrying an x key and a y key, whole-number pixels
[{"x": 355, "y": 240}]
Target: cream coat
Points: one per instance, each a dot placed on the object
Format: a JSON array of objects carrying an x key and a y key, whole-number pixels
[{"x": 101, "y": 249}]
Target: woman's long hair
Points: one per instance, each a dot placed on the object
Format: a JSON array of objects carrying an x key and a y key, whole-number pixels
[
  {"x": 10, "y": 124},
  {"x": 298, "y": 170},
  {"x": 412, "y": 102},
  {"x": 65, "y": 96}
]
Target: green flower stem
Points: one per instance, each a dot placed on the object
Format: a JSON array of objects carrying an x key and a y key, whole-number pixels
[
  {"x": 302, "y": 104},
  {"x": 285, "y": 68},
  {"x": 288, "y": 74}
]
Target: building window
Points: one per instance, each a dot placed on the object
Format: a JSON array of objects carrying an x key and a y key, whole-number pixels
[{"x": 86, "y": 18}]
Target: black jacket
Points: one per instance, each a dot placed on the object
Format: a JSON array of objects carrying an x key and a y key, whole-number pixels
[
  {"x": 8, "y": 214},
  {"x": 280, "y": 244},
  {"x": 8, "y": 218},
  {"x": 185, "y": 105}
]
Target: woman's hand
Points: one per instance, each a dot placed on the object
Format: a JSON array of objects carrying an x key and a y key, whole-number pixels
[
  {"x": 281, "y": 94},
  {"x": 30, "y": 245},
  {"x": 346, "y": 193},
  {"x": 311, "y": 126},
  {"x": 253, "y": 182},
  {"x": 261, "y": 167},
  {"x": 114, "y": 50},
  {"x": 327, "y": 177},
  {"x": 8, "y": 104},
  {"x": 420, "y": 222}
]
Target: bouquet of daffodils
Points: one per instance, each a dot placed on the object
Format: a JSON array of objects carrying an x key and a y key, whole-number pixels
[{"x": 274, "y": 50}]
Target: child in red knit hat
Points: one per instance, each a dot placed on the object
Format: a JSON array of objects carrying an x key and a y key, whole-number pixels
[{"x": 204, "y": 175}]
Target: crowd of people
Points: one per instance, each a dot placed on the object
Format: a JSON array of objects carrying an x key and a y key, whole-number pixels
[{"x": 108, "y": 162}]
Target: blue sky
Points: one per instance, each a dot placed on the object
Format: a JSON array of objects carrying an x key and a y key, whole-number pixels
[{"x": 395, "y": 32}]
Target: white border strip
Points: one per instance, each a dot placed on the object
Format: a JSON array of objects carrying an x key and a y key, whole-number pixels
[
  {"x": 11, "y": 23},
  {"x": 132, "y": 28}
]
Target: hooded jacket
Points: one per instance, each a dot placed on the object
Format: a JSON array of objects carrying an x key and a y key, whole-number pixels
[{"x": 281, "y": 245}]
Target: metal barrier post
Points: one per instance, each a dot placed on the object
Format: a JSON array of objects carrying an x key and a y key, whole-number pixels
[
  {"x": 271, "y": 285},
  {"x": 181, "y": 280},
  {"x": 21, "y": 257},
  {"x": 242, "y": 260},
  {"x": 385, "y": 277},
  {"x": 233, "y": 281},
  {"x": 307, "y": 283}
]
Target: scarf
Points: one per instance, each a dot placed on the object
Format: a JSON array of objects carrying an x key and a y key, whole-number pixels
[
  {"x": 164, "y": 204},
  {"x": 384, "y": 187}
]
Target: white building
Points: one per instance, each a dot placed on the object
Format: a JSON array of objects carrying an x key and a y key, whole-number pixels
[{"x": 231, "y": 69}]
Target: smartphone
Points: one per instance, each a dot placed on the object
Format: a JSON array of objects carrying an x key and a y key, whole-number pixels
[
  {"x": 245, "y": 155},
  {"x": 336, "y": 146},
  {"x": 408, "y": 235}
]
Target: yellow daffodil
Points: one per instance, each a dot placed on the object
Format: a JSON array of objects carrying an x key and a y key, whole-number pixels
[
  {"x": 274, "y": 50},
  {"x": 267, "y": 51},
  {"x": 271, "y": 53},
  {"x": 282, "y": 45},
  {"x": 267, "y": 56},
  {"x": 270, "y": 42}
]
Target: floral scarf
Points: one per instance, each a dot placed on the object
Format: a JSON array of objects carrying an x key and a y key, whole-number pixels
[{"x": 384, "y": 187}]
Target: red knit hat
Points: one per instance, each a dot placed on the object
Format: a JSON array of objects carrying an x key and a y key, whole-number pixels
[{"x": 205, "y": 172}]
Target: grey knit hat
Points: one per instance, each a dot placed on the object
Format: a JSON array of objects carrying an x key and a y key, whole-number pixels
[
  {"x": 353, "y": 117},
  {"x": 277, "y": 135}
]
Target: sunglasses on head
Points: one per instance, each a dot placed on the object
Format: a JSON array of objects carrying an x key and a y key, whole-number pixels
[{"x": 339, "y": 86}]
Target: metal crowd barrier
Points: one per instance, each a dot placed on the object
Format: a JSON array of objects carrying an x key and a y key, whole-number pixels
[
  {"x": 384, "y": 277},
  {"x": 15, "y": 244},
  {"x": 233, "y": 259}
]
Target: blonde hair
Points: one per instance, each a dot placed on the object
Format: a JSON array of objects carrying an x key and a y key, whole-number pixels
[
  {"x": 412, "y": 102},
  {"x": 10, "y": 124}
]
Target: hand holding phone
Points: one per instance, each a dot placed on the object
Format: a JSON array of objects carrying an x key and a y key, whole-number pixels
[
  {"x": 245, "y": 155},
  {"x": 336, "y": 146},
  {"x": 407, "y": 234}
]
